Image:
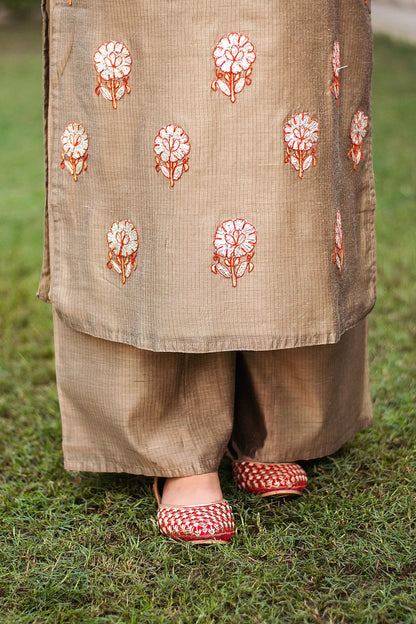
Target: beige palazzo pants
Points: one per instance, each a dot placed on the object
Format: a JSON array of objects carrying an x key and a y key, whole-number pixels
[{"x": 174, "y": 414}]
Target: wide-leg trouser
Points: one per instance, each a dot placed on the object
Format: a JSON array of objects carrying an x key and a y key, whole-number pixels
[{"x": 174, "y": 414}]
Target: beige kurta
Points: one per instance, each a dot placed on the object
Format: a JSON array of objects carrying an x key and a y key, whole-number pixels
[{"x": 210, "y": 182}]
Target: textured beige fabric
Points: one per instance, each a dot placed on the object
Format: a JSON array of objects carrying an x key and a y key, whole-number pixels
[
  {"x": 291, "y": 293},
  {"x": 173, "y": 414}
]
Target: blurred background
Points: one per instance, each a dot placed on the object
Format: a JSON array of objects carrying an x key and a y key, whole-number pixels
[{"x": 367, "y": 555}]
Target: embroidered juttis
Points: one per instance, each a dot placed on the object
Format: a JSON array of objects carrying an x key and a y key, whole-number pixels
[{"x": 210, "y": 181}]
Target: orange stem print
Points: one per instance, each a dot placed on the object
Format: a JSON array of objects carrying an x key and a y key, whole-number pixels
[
  {"x": 338, "y": 258},
  {"x": 232, "y": 92},
  {"x": 355, "y": 154},
  {"x": 335, "y": 88},
  {"x": 113, "y": 93}
]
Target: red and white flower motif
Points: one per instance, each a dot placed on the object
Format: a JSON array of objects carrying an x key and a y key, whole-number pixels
[
  {"x": 358, "y": 132},
  {"x": 338, "y": 258},
  {"x": 234, "y": 56},
  {"x": 172, "y": 148},
  {"x": 74, "y": 149},
  {"x": 112, "y": 62},
  {"x": 123, "y": 243},
  {"x": 301, "y": 134},
  {"x": 234, "y": 244},
  {"x": 336, "y": 66}
]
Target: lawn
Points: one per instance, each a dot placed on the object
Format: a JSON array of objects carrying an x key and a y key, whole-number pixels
[{"x": 84, "y": 548}]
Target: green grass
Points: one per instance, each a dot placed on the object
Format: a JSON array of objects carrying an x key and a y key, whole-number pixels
[{"x": 85, "y": 548}]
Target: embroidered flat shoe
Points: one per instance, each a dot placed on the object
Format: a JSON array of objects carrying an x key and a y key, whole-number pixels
[
  {"x": 197, "y": 524},
  {"x": 269, "y": 479}
]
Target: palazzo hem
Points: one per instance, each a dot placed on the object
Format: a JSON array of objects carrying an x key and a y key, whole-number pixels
[{"x": 202, "y": 468}]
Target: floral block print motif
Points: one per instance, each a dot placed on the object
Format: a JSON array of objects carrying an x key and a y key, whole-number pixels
[
  {"x": 336, "y": 66},
  {"x": 358, "y": 131},
  {"x": 112, "y": 62},
  {"x": 123, "y": 243},
  {"x": 338, "y": 247},
  {"x": 172, "y": 148},
  {"x": 301, "y": 134},
  {"x": 234, "y": 244},
  {"x": 233, "y": 56},
  {"x": 74, "y": 149}
]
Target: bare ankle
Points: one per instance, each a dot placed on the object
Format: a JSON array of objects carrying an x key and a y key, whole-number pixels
[{"x": 192, "y": 490}]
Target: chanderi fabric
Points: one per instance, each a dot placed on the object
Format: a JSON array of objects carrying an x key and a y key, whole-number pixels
[{"x": 209, "y": 171}]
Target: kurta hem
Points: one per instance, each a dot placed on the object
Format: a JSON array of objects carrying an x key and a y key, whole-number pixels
[{"x": 213, "y": 345}]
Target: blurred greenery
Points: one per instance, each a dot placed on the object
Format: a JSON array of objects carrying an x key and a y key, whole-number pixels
[{"x": 21, "y": 7}]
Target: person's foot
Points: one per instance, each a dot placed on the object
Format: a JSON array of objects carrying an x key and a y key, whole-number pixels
[
  {"x": 201, "y": 489},
  {"x": 191, "y": 509}
]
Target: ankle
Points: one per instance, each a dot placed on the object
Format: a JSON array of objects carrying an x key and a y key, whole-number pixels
[{"x": 192, "y": 490}]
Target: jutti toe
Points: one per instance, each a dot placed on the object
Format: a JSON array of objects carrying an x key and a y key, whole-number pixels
[{"x": 286, "y": 479}]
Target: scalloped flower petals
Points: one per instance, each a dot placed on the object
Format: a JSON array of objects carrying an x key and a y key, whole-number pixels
[
  {"x": 112, "y": 61},
  {"x": 301, "y": 132},
  {"x": 235, "y": 238},
  {"x": 234, "y": 53}
]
